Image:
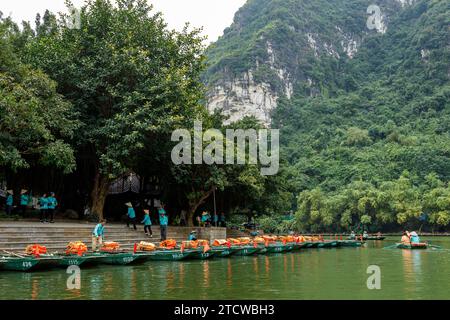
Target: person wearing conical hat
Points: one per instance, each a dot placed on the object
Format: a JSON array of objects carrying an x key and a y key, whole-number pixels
[
  {"x": 9, "y": 201},
  {"x": 193, "y": 235},
  {"x": 131, "y": 215},
  {"x": 147, "y": 223},
  {"x": 414, "y": 237},
  {"x": 24, "y": 199}
]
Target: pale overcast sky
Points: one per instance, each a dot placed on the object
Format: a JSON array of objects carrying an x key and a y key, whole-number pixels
[{"x": 213, "y": 15}]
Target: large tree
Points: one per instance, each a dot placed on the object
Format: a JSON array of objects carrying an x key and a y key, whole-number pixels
[
  {"x": 35, "y": 120},
  {"x": 131, "y": 80}
]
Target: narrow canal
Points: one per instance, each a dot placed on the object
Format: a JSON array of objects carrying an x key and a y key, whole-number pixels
[{"x": 339, "y": 273}]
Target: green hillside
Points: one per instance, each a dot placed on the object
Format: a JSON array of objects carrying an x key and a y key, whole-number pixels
[{"x": 372, "y": 145}]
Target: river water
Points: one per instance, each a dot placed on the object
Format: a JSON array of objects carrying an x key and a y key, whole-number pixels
[{"x": 339, "y": 273}]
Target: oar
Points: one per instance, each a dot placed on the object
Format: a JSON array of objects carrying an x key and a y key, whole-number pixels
[
  {"x": 14, "y": 254},
  {"x": 391, "y": 246}
]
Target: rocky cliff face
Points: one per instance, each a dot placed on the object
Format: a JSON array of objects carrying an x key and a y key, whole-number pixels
[{"x": 279, "y": 48}]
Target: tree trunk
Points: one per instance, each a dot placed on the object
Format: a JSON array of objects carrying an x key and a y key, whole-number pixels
[
  {"x": 194, "y": 204},
  {"x": 99, "y": 193}
]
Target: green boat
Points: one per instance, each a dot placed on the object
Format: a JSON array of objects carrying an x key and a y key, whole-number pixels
[
  {"x": 71, "y": 260},
  {"x": 349, "y": 243},
  {"x": 169, "y": 255},
  {"x": 199, "y": 254},
  {"x": 222, "y": 252},
  {"x": 18, "y": 263},
  {"x": 327, "y": 244},
  {"x": 299, "y": 245},
  {"x": 412, "y": 246},
  {"x": 122, "y": 258},
  {"x": 246, "y": 250}
]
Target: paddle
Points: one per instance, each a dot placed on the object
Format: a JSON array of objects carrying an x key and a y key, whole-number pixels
[{"x": 14, "y": 254}]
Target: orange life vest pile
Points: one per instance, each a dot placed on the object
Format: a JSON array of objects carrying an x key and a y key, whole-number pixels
[
  {"x": 204, "y": 244},
  {"x": 245, "y": 240},
  {"x": 234, "y": 242},
  {"x": 76, "y": 247},
  {"x": 221, "y": 242},
  {"x": 191, "y": 244},
  {"x": 110, "y": 247},
  {"x": 35, "y": 249},
  {"x": 168, "y": 244},
  {"x": 146, "y": 246}
]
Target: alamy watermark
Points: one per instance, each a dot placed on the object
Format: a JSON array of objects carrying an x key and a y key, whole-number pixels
[
  {"x": 230, "y": 149},
  {"x": 74, "y": 18},
  {"x": 74, "y": 279},
  {"x": 374, "y": 21},
  {"x": 374, "y": 280}
]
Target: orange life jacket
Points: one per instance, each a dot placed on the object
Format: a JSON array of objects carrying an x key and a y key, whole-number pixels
[
  {"x": 110, "y": 246},
  {"x": 76, "y": 247},
  {"x": 219, "y": 242},
  {"x": 145, "y": 246},
  {"x": 35, "y": 249},
  {"x": 168, "y": 244}
]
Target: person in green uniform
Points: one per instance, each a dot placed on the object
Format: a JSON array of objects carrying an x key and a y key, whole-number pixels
[
  {"x": 24, "y": 199},
  {"x": 97, "y": 235},
  {"x": 43, "y": 203},
  {"x": 9, "y": 202},
  {"x": 163, "y": 222},
  {"x": 52, "y": 203},
  {"x": 147, "y": 223},
  {"x": 131, "y": 215}
]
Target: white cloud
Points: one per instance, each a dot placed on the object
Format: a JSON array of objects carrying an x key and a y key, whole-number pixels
[{"x": 213, "y": 15}]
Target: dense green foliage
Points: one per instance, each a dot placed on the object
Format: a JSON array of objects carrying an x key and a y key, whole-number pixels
[
  {"x": 370, "y": 146},
  {"x": 31, "y": 133}
]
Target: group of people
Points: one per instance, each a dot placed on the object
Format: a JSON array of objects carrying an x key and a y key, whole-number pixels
[
  {"x": 46, "y": 204},
  {"x": 163, "y": 220},
  {"x": 408, "y": 238},
  {"x": 205, "y": 220}
]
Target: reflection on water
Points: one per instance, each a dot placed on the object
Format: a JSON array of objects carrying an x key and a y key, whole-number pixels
[{"x": 309, "y": 274}]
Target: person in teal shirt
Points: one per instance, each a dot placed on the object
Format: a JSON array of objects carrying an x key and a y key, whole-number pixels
[
  {"x": 414, "y": 237},
  {"x": 97, "y": 235},
  {"x": 52, "y": 203},
  {"x": 131, "y": 215},
  {"x": 43, "y": 203},
  {"x": 9, "y": 202},
  {"x": 193, "y": 236},
  {"x": 163, "y": 222},
  {"x": 147, "y": 223},
  {"x": 24, "y": 199}
]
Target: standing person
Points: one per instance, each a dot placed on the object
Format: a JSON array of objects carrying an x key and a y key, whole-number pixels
[
  {"x": 131, "y": 215},
  {"x": 147, "y": 223},
  {"x": 97, "y": 235},
  {"x": 163, "y": 222},
  {"x": 52, "y": 203},
  {"x": 9, "y": 202},
  {"x": 43, "y": 204},
  {"x": 222, "y": 220},
  {"x": 216, "y": 219},
  {"x": 183, "y": 221},
  {"x": 24, "y": 199}
]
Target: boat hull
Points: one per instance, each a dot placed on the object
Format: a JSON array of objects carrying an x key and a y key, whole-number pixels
[
  {"x": 419, "y": 246},
  {"x": 247, "y": 251},
  {"x": 18, "y": 264},
  {"x": 169, "y": 255}
]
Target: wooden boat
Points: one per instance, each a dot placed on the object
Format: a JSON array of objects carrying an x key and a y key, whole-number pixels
[
  {"x": 327, "y": 244},
  {"x": 71, "y": 260},
  {"x": 246, "y": 250},
  {"x": 222, "y": 252},
  {"x": 412, "y": 246},
  {"x": 17, "y": 263},
  {"x": 349, "y": 243},
  {"x": 169, "y": 255},
  {"x": 120, "y": 258},
  {"x": 376, "y": 238},
  {"x": 279, "y": 247},
  {"x": 199, "y": 254}
]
